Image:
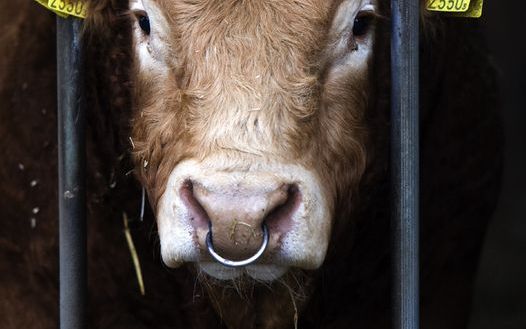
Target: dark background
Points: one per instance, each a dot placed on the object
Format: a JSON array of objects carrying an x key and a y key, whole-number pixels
[{"x": 500, "y": 292}]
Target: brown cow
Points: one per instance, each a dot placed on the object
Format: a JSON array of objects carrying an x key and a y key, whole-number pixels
[{"x": 238, "y": 115}]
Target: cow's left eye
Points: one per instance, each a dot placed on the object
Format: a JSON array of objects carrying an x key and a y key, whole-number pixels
[{"x": 144, "y": 23}]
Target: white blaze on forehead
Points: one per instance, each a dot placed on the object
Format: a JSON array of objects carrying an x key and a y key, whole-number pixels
[{"x": 303, "y": 246}]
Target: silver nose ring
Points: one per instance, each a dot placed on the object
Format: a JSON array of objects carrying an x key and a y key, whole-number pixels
[{"x": 234, "y": 263}]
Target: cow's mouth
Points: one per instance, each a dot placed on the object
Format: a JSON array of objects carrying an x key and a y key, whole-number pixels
[
  {"x": 237, "y": 204},
  {"x": 258, "y": 272}
]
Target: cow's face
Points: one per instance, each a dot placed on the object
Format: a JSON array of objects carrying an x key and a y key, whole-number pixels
[{"x": 249, "y": 113}]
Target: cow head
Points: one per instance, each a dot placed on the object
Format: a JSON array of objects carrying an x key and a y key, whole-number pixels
[{"x": 250, "y": 113}]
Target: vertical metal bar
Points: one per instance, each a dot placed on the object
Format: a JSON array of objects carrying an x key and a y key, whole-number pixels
[
  {"x": 405, "y": 161},
  {"x": 71, "y": 163}
]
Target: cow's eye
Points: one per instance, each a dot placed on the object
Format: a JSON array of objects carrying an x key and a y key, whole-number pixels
[
  {"x": 362, "y": 24},
  {"x": 144, "y": 23}
]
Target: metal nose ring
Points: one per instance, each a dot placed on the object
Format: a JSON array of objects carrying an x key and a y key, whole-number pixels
[{"x": 233, "y": 263}]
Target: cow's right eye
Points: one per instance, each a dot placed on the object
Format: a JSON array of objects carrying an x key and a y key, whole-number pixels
[
  {"x": 144, "y": 23},
  {"x": 362, "y": 24}
]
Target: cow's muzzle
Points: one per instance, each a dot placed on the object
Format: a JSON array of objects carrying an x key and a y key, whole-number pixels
[
  {"x": 233, "y": 220},
  {"x": 241, "y": 218}
]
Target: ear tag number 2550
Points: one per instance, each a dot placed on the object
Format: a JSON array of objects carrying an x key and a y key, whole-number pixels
[
  {"x": 457, "y": 8},
  {"x": 452, "y": 6},
  {"x": 69, "y": 7}
]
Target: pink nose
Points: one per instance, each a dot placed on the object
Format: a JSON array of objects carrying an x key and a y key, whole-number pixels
[{"x": 236, "y": 215}]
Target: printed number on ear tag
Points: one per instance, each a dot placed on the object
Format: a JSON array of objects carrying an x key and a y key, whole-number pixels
[
  {"x": 44, "y": 3},
  {"x": 69, "y": 7},
  {"x": 457, "y": 8},
  {"x": 450, "y": 6}
]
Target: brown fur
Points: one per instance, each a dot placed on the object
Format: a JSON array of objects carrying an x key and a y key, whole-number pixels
[{"x": 460, "y": 167}]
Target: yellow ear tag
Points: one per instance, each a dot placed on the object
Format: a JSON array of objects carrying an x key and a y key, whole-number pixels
[
  {"x": 44, "y": 3},
  {"x": 65, "y": 8},
  {"x": 69, "y": 7},
  {"x": 457, "y": 8}
]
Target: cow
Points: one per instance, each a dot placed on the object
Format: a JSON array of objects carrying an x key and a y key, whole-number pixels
[{"x": 256, "y": 128}]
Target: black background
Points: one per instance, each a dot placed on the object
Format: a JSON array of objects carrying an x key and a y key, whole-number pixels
[{"x": 500, "y": 294}]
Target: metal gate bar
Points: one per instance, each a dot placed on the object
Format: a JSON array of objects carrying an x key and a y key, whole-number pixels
[
  {"x": 71, "y": 164},
  {"x": 405, "y": 161}
]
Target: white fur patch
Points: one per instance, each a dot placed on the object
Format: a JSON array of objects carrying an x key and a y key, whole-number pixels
[{"x": 304, "y": 246}]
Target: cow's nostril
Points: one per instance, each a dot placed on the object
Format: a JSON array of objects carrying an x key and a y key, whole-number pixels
[
  {"x": 197, "y": 214},
  {"x": 280, "y": 218}
]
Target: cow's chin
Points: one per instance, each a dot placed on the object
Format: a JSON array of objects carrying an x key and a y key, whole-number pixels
[
  {"x": 258, "y": 272},
  {"x": 298, "y": 239}
]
